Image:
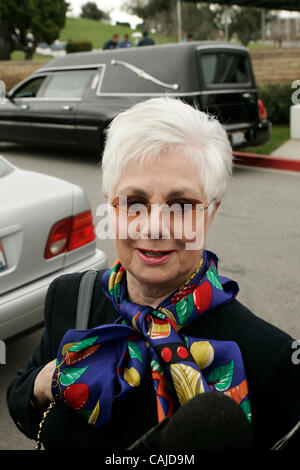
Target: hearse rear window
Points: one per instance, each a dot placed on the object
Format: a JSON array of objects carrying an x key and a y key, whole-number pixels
[
  {"x": 129, "y": 77},
  {"x": 221, "y": 68}
]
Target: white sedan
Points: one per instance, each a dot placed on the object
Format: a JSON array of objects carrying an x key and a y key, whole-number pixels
[{"x": 46, "y": 229}]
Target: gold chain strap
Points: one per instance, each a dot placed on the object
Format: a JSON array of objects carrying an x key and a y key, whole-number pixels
[
  {"x": 199, "y": 266},
  {"x": 38, "y": 438}
]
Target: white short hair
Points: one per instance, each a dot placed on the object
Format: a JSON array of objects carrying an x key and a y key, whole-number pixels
[{"x": 168, "y": 125}]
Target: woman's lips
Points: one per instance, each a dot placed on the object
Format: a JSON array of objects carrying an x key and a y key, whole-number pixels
[{"x": 157, "y": 256}]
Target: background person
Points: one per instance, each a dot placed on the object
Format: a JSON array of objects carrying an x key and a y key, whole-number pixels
[
  {"x": 146, "y": 41},
  {"x": 125, "y": 42},
  {"x": 164, "y": 325},
  {"x": 112, "y": 43},
  {"x": 189, "y": 38}
]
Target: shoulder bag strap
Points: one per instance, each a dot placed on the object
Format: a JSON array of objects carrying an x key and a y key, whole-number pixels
[{"x": 84, "y": 299}]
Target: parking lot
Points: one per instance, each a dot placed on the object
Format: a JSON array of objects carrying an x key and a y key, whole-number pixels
[{"x": 256, "y": 235}]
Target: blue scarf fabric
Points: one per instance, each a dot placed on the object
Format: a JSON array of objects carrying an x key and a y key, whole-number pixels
[{"x": 99, "y": 367}]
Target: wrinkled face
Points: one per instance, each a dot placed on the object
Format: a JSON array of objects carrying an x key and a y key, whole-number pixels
[{"x": 162, "y": 246}]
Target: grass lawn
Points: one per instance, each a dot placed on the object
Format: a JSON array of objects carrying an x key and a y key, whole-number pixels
[
  {"x": 98, "y": 32},
  {"x": 280, "y": 134},
  {"x": 260, "y": 45},
  {"x": 20, "y": 55}
]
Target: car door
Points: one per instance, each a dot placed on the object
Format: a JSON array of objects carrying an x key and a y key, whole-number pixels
[
  {"x": 15, "y": 112},
  {"x": 91, "y": 114},
  {"x": 53, "y": 120}
]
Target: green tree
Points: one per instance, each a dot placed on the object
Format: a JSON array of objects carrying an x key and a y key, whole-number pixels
[
  {"x": 246, "y": 24},
  {"x": 146, "y": 9},
  {"x": 158, "y": 14},
  {"x": 197, "y": 19},
  {"x": 243, "y": 22},
  {"x": 91, "y": 11},
  {"x": 24, "y": 24}
]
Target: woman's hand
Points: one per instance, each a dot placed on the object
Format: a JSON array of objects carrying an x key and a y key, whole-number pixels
[{"x": 42, "y": 386}]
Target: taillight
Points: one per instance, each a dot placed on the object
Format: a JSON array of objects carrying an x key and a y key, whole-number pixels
[
  {"x": 58, "y": 238},
  {"x": 262, "y": 110},
  {"x": 69, "y": 234},
  {"x": 82, "y": 230}
]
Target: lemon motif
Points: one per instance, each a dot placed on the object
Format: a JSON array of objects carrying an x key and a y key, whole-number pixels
[
  {"x": 119, "y": 277},
  {"x": 132, "y": 377},
  {"x": 66, "y": 348},
  {"x": 203, "y": 353},
  {"x": 94, "y": 416},
  {"x": 111, "y": 281},
  {"x": 133, "y": 322},
  {"x": 187, "y": 382}
]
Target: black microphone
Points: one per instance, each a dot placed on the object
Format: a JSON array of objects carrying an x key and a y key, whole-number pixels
[{"x": 210, "y": 421}]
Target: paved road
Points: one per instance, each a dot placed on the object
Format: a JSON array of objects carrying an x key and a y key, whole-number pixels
[{"x": 256, "y": 235}]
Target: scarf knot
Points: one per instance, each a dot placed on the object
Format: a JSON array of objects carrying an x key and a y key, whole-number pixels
[{"x": 99, "y": 367}]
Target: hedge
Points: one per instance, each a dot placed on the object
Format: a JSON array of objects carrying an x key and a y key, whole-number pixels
[
  {"x": 78, "y": 46},
  {"x": 277, "y": 99}
]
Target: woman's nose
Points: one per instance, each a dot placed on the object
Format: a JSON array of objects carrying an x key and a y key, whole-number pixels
[{"x": 157, "y": 224}]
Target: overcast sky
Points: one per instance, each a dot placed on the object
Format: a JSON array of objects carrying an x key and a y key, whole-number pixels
[
  {"x": 108, "y": 5},
  {"x": 105, "y": 5},
  {"x": 112, "y": 6}
]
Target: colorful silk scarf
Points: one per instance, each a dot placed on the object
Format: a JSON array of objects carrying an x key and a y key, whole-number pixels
[{"x": 99, "y": 367}]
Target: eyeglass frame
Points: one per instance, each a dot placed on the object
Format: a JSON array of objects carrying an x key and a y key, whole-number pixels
[
  {"x": 148, "y": 205},
  {"x": 116, "y": 205}
]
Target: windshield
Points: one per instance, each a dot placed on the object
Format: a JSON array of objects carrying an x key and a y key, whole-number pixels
[
  {"x": 221, "y": 68},
  {"x": 5, "y": 169}
]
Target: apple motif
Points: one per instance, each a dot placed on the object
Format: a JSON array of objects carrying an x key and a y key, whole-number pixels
[
  {"x": 76, "y": 395},
  {"x": 202, "y": 297}
]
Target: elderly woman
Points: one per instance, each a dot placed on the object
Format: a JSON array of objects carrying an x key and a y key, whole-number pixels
[{"x": 164, "y": 328}]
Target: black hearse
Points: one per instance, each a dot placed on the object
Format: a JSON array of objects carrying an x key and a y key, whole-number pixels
[{"x": 71, "y": 100}]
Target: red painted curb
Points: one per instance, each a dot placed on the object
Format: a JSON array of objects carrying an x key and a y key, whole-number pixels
[{"x": 266, "y": 161}]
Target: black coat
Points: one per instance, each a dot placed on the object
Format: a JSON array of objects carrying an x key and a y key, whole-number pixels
[{"x": 273, "y": 378}]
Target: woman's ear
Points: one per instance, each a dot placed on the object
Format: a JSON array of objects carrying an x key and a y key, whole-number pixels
[
  {"x": 211, "y": 216},
  {"x": 217, "y": 204}
]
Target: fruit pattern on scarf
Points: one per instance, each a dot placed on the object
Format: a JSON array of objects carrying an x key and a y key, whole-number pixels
[{"x": 99, "y": 367}]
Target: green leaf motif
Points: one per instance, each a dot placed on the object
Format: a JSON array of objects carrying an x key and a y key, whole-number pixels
[
  {"x": 85, "y": 343},
  {"x": 156, "y": 366},
  {"x": 221, "y": 377},
  {"x": 245, "y": 405},
  {"x": 186, "y": 341},
  {"x": 213, "y": 277},
  {"x": 184, "y": 309},
  {"x": 117, "y": 290},
  {"x": 69, "y": 375},
  {"x": 134, "y": 351},
  {"x": 158, "y": 314},
  {"x": 114, "y": 269}
]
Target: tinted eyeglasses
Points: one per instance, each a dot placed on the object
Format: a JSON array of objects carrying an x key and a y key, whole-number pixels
[{"x": 133, "y": 206}]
